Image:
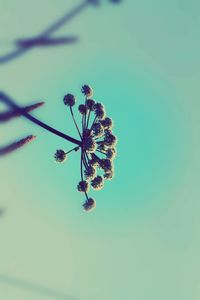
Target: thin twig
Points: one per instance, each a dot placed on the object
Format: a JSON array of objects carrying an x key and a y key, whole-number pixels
[
  {"x": 11, "y": 114},
  {"x": 71, "y": 110},
  {"x": 8, "y": 101},
  {"x": 16, "y": 145}
]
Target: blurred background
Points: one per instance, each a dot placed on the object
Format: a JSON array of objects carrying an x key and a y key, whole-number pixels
[{"x": 142, "y": 241}]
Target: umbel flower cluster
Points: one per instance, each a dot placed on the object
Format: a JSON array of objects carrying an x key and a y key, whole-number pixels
[{"x": 97, "y": 145}]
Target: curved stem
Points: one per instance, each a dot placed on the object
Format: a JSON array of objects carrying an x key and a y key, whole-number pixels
[
  {"x": 74, "y": 149},
  {"x": 82, "y": 170},
  {"x": 71, "y": 110},
  {"x": 93, "y": 122},
  {"x": 8, "y": 101}
]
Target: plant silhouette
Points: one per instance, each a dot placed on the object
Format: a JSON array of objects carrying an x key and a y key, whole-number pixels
[{"x": 96, "y": 144}]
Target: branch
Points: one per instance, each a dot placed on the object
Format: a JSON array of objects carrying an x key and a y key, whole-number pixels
[
  {"x": 16, "y": 145},
  {"x": 11, "y": 114},
  {"x": 8, "y": 101}
]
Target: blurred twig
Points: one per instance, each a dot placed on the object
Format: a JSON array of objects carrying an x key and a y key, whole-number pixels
[
  {"x": 39, "y": 289},
  {"x": 16, "y": 145},
  {"x": 18, "y": 111},
  {"x": 43, "y": 38},
  {"x": 11, "y": 114}
]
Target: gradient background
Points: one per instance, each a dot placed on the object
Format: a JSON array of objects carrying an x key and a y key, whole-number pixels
[{"x": 142, "y": 242}]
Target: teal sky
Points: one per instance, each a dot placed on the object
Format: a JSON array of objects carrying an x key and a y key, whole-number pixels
[{"x": 142, "y": 241}]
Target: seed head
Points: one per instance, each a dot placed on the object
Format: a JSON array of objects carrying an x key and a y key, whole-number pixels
[
  {"x": 98, "y": 106},
  {"x": 87, "y": 90},
  {"x": 82, "y": 109},
  {"x": 97, "y": 183},
  {"x": 98, "y": 130},
  {"x": 100, "y": 113},
  {"x": 109, "y": 175},
  {"x": 83, "y": 186},
  {"x": 110, "y": 140},
  {"x": 111, "y": 153},
  {"x": 90, "y": 172},
  {"x": 89, "y": 205},
  {"x": 107, "y": 123},
  {"x": 106, "y": 165},
  {"x": 69, "y": 100},
  {"x": 90, "y": 145},
  {"x": 90, "y": 104},
  {"x": 93, "y": 162},
  {"x": 60, "y": 156}
]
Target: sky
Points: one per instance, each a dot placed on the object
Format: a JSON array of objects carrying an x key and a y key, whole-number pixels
[{"x": 142, "y": 240}]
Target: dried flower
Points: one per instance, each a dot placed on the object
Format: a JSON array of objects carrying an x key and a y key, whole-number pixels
[
  {"x": 90, "y": 172},
  {"x": 106, "y": 165},
  {"x": 90, "y": 145},
  {"x": 83, "y": 186},
  {"x": 110, "y": 140},
  {"x": 60, "y": 156},
  {"x": 111, "y": 153},
  {"x": 89, "y": 205},
  {"x": 109, "y": 175},
  {"x": 69, "y": 100},
  {"x": 82, "y": 109},
  {"x": 90, "y": 104},
  {"x": 107, "y": 123},
  {"x": 96, "y": 141},
  {"x": 97, "y": 183},
  {"x": 98, "y": 130},
  {"x": 87, "y": 90},
  {"x": 100, "y": 113}
]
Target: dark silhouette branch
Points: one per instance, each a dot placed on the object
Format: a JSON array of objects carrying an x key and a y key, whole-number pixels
[
  {"x": 45, "y": 42},
  {"x": 10, "y": 103},
  {"x": 16, "y": 145},
  {"x": 11, "y": 114}
]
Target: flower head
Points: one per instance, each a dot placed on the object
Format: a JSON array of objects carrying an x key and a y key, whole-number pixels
[
  {"x": 106, "y": 165},
  {"x": 69, "y": 100},
  {"x": 90, "y": 172},
  {"x": 110, "y": 140},
  {"x": 90, "y": 104},
  {"x": 97, "y": 183},
  {"x": 82, "y": 109},
  {"x": 97, "y": 145},
  {"x": 90, "y": 145},
  {"x": 107, "y": 123},
  {"x": 87, "y": 90},
  {"x": 111, "y": 153},
  {"x": 100, "y": 113},
  {"x": 89, "y": 205},
  {"x": 83, "y": 186},
  {"x": 109, "y": 175},
  {"x": 98, "y": 130},
  {"x": 60, "y": 156}
]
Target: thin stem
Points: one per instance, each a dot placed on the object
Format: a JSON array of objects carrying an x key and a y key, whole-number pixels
[
  {"x": 85, "y": 159},
  {"x": 88, "y": 119},
  {"x": 71, "y": 110},
  {"x": 74, "y": 149},
  {"x": 93, "y": 122},
  {"x": 82, "y": 170},
  {"x": 8, "y": 101},
  {"x": 101, "y": 152}
]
